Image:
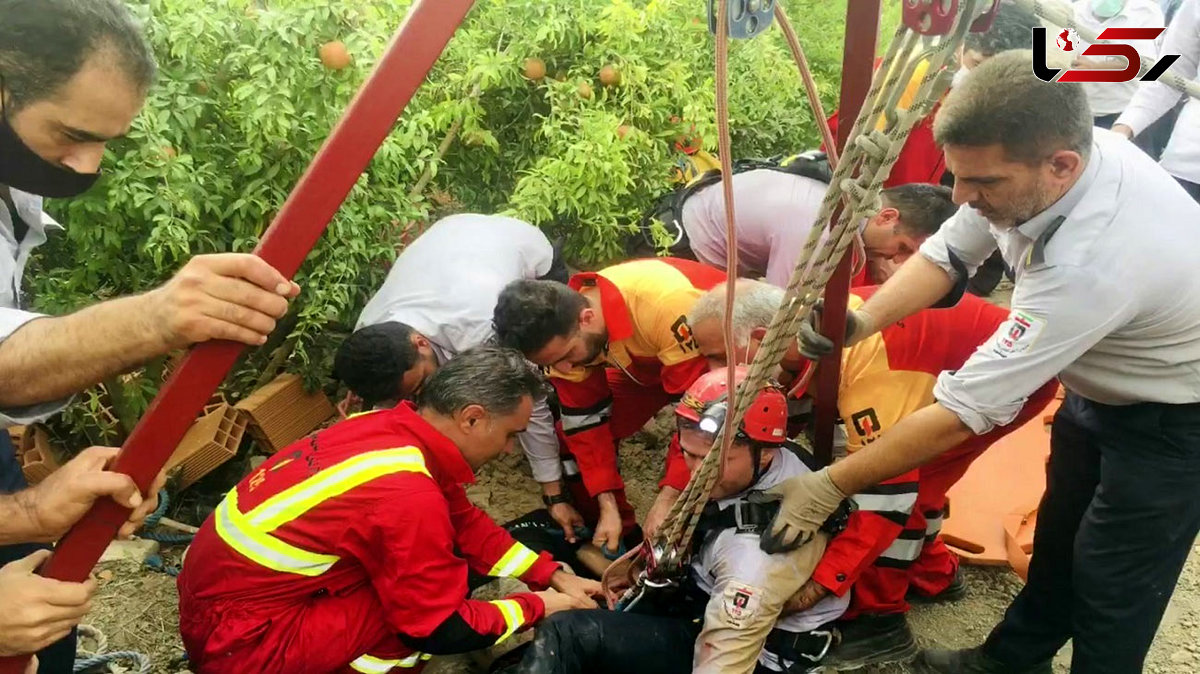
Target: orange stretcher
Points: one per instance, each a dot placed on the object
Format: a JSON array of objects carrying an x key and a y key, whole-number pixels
[{"x": 993, "y": 508}]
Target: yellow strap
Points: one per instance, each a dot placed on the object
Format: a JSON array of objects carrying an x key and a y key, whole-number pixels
[
  {"x": 263, "y": 548},
  {"x": 514, "y": 617},
  {"x": 298, "y": 499},
  {"x": 514, "y": 563}
]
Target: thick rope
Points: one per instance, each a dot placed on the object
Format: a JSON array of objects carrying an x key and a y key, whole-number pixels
[
  {"x": 857, "y": 180},
  {"x": 1062, "y": 15},
  {"x": 98, "y": 658},
  {"x": 822, "y": 120}
]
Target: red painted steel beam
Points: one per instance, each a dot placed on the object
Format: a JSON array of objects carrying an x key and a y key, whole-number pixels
[
  {"x": 367, "y": 121},
  {"x": 858, "y": 59}
]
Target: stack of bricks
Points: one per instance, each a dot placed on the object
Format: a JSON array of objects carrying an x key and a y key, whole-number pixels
[
  {"x": 211, "y": 441},
  {"x": 37, "y": 456},
  {"x": 282, "y": 412}
]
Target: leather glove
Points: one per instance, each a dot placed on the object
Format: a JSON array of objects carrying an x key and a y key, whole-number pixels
[
  {"x": 814, "y": 345},
  {"x": 807, "y": 501}
]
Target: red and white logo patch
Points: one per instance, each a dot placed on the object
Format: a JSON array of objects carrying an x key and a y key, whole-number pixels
[{"x": 1017, "y": 334}]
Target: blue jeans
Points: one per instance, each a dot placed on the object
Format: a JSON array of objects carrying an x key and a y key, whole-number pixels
[{"x": 59, "y": 657}]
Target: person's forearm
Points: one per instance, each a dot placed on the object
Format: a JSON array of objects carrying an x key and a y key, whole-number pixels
[
  {"x": 18, "y": 523},
  {"x": 916, "y": 285},
  {"x": 54, "y": 357},
  {"x": 916, "y": 440},
  {"x": 552, "y": 488},
  {"x": 607, "y": 502}
]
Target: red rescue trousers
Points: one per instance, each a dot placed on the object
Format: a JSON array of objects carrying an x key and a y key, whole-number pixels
[{"x": 882, "y": 589}]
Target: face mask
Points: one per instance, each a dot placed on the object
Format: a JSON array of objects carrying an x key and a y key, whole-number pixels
[
  {"x": 1107, "y": 9},
  {"x": 21, "y": 168},
  {"x": 959, "y": 77}
]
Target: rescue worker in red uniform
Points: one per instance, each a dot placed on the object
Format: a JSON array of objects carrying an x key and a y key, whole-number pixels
[
  {"x": 348, "y": 551},
  {"x": 618, "y": 347},
  {"x": 890, "y": 550}
]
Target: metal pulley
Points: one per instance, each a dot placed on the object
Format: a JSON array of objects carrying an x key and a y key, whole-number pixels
[
  {"x": 747, "y": 18},
  {"x": 936, "y": 17}
]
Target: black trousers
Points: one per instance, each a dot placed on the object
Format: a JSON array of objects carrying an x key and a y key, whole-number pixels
[
  {"x": 1120, "y": 514},
  {"x": 59, "y": 657},
  {"x": 606, "y": 642}
]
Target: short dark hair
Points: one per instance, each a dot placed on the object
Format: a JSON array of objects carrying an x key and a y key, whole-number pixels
[
  {"x": 44, "y": 43},
  {"x": 492, "y": 377},
  {"x": 1003, "y": 103},
  {"x": 923, "y": 207},
  {"x": 1011, "y": 29},
  {"x": 372, "y": 361},
  {"x": 530, "y": 313}
]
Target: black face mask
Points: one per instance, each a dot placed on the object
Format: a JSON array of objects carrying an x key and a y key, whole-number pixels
[{"x": 21, "y": 168}]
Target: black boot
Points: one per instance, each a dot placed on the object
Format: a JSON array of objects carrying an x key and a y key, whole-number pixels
[
  {"x": 872, "y": 640},
  {"x": 957, "y": 589},
  {"x": 974, "y": 661}
]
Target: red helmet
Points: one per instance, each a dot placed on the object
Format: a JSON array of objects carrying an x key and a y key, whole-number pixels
[{"x": 765, "y": 421}]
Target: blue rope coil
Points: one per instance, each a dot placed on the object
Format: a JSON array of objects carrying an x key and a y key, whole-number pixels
[
  {"x": 167, "y": 539},
  {"x": 164, "y": 502},
  {"x": 141, "y": 662},
  {"x": 157, "y": 563}
]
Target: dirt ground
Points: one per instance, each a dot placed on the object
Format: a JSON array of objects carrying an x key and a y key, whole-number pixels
[{"x": 136, "y": 607}]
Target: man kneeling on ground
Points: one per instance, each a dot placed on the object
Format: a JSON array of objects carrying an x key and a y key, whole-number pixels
[
  {"x": 348, "y": 551},
  {"x": 729, "y": 617}
]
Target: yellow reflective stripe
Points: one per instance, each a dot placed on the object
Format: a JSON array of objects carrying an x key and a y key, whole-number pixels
[
  {"x": 369, "y": 664},
  {"x": 262, "y": 548},
  {"x": 372, "y": 665},
  {"x": 293, "y": 502},
  {"x": 362, "y": 414},
  {"x": 514, "y": 617},
  {"x": 514, "y": 563}
]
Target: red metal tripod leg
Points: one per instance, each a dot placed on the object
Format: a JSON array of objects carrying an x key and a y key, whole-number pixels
[
  {"x": 862, "y": 29},
  {"x": 413, "y": 50}
]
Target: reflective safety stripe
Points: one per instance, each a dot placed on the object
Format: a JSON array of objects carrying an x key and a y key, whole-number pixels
[
  {"x": 904, "y": 550},
  {"x": 369, "y": 664},
  {"x": 514, "y": 563},
  {"x": 572, "y": 421},
  {"x": 294, "y": 501},
  {"x": 933, "y": 527},
  {"x": 570, "y": 467},
  {"x": 886, "y": 502},
  {"x": 372, "y": 665},
  {"x": 262, "y": 548},
  {"x": 514, "y": 617},
  {"x": 250, "y": 533}
]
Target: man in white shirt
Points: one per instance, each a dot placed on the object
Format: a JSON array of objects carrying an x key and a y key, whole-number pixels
[
  {"x": 776, "y": 210},
  {"x": 1108, "y": 99},
  {"x": 1092, "y": 227},
  {"x": 59, "y": 106},
  {"x": 1181, "y": 158},
  {"x": 437, "y": 301}
]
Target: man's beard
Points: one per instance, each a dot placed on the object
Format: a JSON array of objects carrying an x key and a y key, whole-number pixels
[
  {"x": 596, "y": 344},
  {"x": 1021, "y": 211}
]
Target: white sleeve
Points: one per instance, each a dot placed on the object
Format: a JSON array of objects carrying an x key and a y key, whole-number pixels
[
  {"x": 967, "y": 235},
  {"x": 1058, "y": 313},
  {"x": 540, "y": 444},
  {"x": 1154, "y": 99},
  {"x": 10, "y": 321}
]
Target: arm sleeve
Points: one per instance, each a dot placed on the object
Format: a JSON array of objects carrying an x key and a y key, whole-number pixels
[
  {"x": 1153, "y": 99},
  {"x": 1057, "y": 314},
  {"x": 406, "y": 546},
  {"x": 750, "y": 588},
  {"x": 540, "y": 444},
  {"x": 12, "y": 320},
  {"x": 967, "y": 236},
  {"x": 868, "y": 410},
  {"x": 586, "y": 405},
  {"x": 491, "y": 550}
]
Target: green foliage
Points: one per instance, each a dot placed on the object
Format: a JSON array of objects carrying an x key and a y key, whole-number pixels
[{"x": 243, "y": 103}]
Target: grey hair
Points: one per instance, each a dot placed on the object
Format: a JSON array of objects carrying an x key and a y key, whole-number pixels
[
  {"x": 495, "y": 378},
  {"x": 754, "y": 305}
]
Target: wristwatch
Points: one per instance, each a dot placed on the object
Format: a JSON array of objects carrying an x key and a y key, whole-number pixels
[{"x": 555, "y": 499}]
